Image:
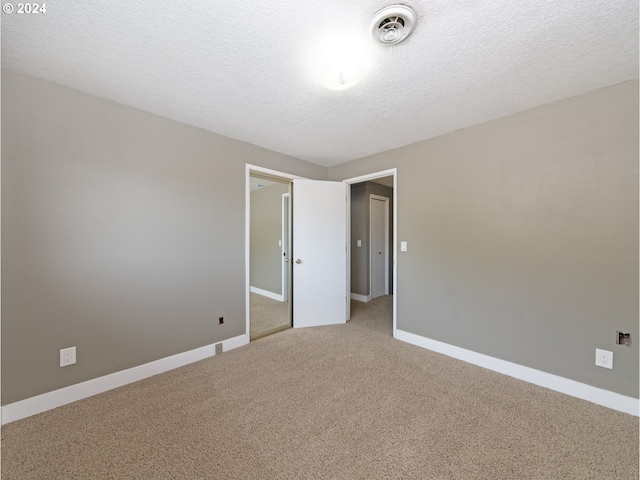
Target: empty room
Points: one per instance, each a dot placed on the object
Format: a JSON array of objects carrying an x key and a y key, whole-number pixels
[{"x": 320, "y": 239}]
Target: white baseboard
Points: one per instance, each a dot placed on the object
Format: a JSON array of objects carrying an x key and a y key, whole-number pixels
[
  {"x": 48, "y": 401},
  {"x": 592, "y": 394},
  {"x": 360, "y": 298},
  {"x": 266, "y": 293}
]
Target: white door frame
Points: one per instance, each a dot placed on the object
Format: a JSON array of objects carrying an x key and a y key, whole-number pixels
[
  {"x": 380, "y": 198},
  {"x": 392, "y": 172},
  {"x": 247, "y": 234},
  {"x": 285, "y": 251}
]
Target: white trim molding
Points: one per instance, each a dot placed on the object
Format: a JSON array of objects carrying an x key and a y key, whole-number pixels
[
  {"x": 266, "y": 293},
  {"x": 360, "y": 298},
  {"x": 580, "y": 390},
  {"x": 57, "y": 398}
]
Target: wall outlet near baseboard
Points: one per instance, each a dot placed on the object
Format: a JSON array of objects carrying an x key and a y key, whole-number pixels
[
  {"x": 219, "y": 348},
  {"x": 67, "y": 356},
  {"x": 604, "y": 358}
]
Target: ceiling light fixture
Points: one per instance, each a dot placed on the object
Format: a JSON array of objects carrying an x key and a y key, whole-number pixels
[
  {"x": 393, "y": 24},
  {"x": 340, "y": 61}
]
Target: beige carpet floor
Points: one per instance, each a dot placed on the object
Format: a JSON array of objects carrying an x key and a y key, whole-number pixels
[
  {"x": 339, "y": 402},
  {"x": 267, "y": 314}
]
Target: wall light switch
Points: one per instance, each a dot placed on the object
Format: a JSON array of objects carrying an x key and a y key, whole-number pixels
[
  {"x": 358, "y": 243},
  {"x": 403, "y": 246}
]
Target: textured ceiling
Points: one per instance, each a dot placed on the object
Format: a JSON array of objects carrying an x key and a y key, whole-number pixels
[{"x": 242, "y": 69}]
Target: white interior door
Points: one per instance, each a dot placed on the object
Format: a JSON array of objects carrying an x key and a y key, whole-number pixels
[
  {"x": 319, "y": 253},
  {"x": 379, "y": 245}
]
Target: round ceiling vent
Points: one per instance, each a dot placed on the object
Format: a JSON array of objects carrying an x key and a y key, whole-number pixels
[{"x": 393, "y": 24}]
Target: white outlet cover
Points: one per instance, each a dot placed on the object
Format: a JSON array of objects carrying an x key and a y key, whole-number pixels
[
  {"x": 604, "y": 358},
  {"x": 67, "y": 356},
  {"x": 403, "y": 246}
]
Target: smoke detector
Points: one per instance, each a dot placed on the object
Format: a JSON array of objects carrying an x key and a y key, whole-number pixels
[{"x": 393, "y": 24}]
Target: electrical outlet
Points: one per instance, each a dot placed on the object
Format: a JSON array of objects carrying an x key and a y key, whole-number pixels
[
  {"x": 221, "y": 321},
  {"x": 67, "y": 356},
  {"x": 604, "y": 358},
  {"x": 219, "y": 348}
]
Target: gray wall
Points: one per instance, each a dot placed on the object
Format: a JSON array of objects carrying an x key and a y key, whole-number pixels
[
  {"x": 266, "y": 231},
  {"x": 523, "y": 236},
  {"x": 359, "y": 229},
  {"x": 122, "y": 233},
  {"x": 360, "y": 222}
]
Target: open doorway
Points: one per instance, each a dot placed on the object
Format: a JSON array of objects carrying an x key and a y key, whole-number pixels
[
  {"x": 304, "y": 294},
  {"x": 318, "y": 292},
  {"x": 270, "y": 266},
  {"x": 372, "y": 245}
]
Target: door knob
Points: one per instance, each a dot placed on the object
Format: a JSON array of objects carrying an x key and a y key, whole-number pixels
[{"x": 298, "y": 261}]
